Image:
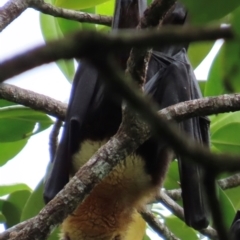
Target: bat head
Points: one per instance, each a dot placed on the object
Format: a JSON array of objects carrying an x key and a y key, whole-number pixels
[{"x": 176, "y": 15}]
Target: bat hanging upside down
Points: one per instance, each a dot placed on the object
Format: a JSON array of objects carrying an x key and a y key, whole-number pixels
[{"x": 110, "y": 212}]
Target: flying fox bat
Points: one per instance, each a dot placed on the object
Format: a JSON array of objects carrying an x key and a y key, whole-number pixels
[
  {"x": 235, "y": 228},
  {"x": 93, "y": 116}
]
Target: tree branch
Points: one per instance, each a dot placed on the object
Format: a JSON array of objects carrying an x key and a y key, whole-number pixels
[
  {"x": 49, "y": 9},
  {"x": 161, "y": 229},
  {"x": 33, "y": 100},
  {"x": 178, "y": 211},
  {"x": 11, "y": 10},
  {"x": 225, "y": 183},
  {"x": 90, "y": 44},
  {"x": 182, "y": 108}
]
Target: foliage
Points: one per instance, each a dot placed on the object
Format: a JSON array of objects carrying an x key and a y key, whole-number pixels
[{"x": 18, "y": 124}]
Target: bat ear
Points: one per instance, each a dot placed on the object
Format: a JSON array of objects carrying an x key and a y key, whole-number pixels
[{"x": 176, "y": 15}]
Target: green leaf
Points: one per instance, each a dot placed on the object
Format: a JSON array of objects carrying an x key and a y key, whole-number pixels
[
  {"x": 233, "y": 195},
  {"x": 146, "y": 237},
  {"x": 224, "y": 132},
  {"x": 5, "y": 103},
  {"x": 172, "y": 179},
  {"x": 68, "y": 26},
  {"x": 18, "y": 122},
  {"x": 8, "y": 189},
  {"x": 51, "y": 30},
  {"x": 2, "y": 218},
  {"x": 12, "y": 207},
  {"x": 34, "y": 204},
  {"x": 202, "y": 11},
  {"x": 10, "y": 150},
  {"x": 180, "y": 229},
  {"x": 227, "y": 208},
  {"x": 236, "y": 21},
  {"x": 202, "y": 85},
  {"x": 198, "y": 51},
  {"x": 231, "y": 75},
  {"x": 106, "y": 8},
  {"x": 214, "y": 85},
  {"x": 78, "y": 4}
]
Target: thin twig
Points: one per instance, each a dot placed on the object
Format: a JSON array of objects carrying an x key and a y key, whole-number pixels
[
  {"x": 161, "y": 229},
  {"x": 178, "y": 211},
  {"x": 70, "y": 14}
]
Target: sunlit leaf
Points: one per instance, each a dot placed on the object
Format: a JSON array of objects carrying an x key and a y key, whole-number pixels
[
  {"x": 224, "y": 132},
  {"x": 51, "y": 30},
  {"x": 214, "y": 85},
  {"x": 226, "y": 207},
  {"x": 231, "y": 75},
  {"x": 8, "y": 189},
  {"x": 172, "y": 179},
  {"x": 202, "y": 85},
  {"x": 180, "y": 229},
  {"x": 233, "y": 195},
  {"x": 78, "y": 4},
  {"x": 106, "y": 8},
  {"x": 198, "y": 51},
  {"x": 18, "y": 122},
  {"x": 10, "y": 150}
]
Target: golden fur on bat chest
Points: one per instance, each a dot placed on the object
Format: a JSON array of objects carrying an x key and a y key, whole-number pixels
[{"x": 110, "y": 211}]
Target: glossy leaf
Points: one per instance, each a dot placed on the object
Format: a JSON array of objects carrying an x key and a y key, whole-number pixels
[
  {"x": 10, "y": 150},
  {"x": 231, "y": 74},
  {"x": 34, "y": 204},
  {"x": 214, "y": 85},
  {"x": 233, "y": 195},
  {"x": 172, "y": 179},
  {"x": 224, "y": 132},
  {"x": 2, "y": 218},
  {"x": 202, "y": 11},
  {"x": 198, "y": 51},
  {"x": 227, "y": 208},
  {"x": 78, "y": 4},
  {"x": 8, "y": 189},
  {"x": 236, "y": 21},
  {"x": 180, "y": 229},
  {"x": 18, "y": 122},
  {"x": 51, "y": 30},
  {"x": 202, "y": 85},
  {"x": 12, "y": 207},
  {"x": 106, "y": 8}
]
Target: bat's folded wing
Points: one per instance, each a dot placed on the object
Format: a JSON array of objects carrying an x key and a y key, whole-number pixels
[
  {"x": 84, "y": 93},
  {"x": 171, "y": 80}
]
